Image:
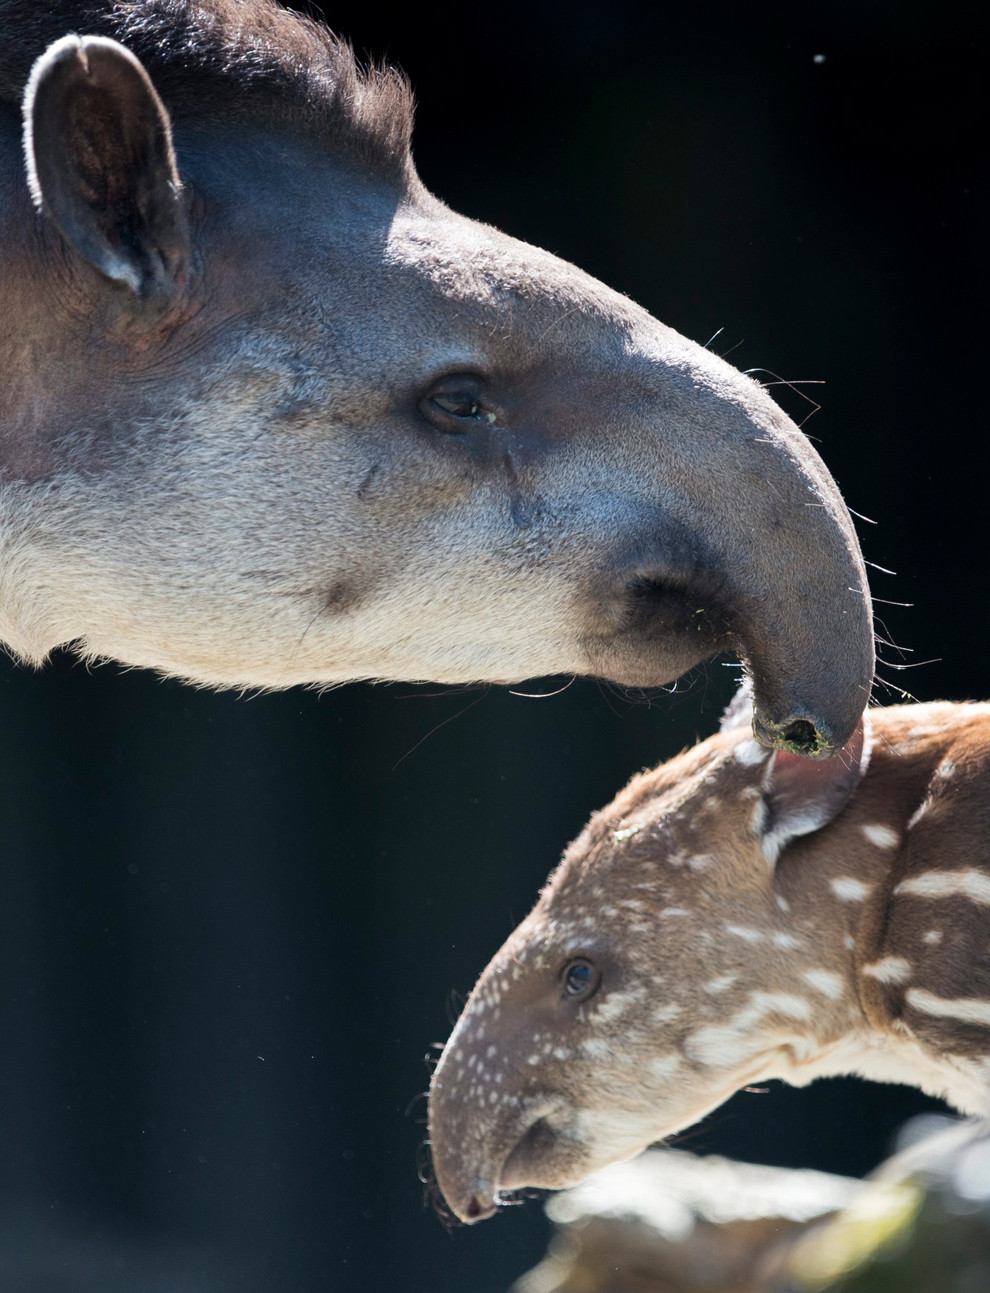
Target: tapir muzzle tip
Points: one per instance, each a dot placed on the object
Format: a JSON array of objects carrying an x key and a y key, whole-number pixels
[
  {"x": 478, "y": 1207},
  {"x": 802, "y": 734}
]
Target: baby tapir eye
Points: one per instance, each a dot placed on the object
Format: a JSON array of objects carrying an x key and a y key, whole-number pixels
[{"x": 580, "y": 979}]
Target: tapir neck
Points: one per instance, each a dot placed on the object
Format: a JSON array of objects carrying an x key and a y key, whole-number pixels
[{"x": 900, "y": 920}]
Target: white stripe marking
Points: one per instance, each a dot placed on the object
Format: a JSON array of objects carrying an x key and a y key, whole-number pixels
[
  {"x": 715, "y": 986},
  {"x": 849, "y": 889},
  {"x": 882, "y": 836},
  {"x": 891, "y": 969},
  {"x": 831, "y": 985},
  {"x": 968, "y": 883},
  {"x": 784, "y": 940},
  {"x": 970, "y": 1010},
  {"x": 664, "y": 1014},
  {"x": 741, "y": 931},
  {"x": 720, "y": 1046},
  {"x": 664, "y": 1066},
  {"x": 596, "y": 1048},
  {"x": 920, "y": 812}
]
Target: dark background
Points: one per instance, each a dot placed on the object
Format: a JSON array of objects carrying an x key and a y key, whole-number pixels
[{"x": 231, "y": 928}]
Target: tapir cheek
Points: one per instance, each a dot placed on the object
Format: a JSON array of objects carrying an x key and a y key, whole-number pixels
[
  {"x": 554, "y": 1154},
  {"x": 533, "y": 1158}
]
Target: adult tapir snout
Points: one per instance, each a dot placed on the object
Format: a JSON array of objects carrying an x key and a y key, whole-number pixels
[
  {"x": 377, "y": 439},
  {"x": 743, "y": 544}
]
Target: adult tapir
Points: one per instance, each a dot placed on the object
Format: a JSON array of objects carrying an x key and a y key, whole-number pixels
[{"x": 272, "y": 414}]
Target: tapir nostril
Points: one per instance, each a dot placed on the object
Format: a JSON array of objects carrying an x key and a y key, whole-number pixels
[
  {"x": 802, "y": 737},
  {"x": 798, "y": 735},
  {"x": 478, "y": 1211}
]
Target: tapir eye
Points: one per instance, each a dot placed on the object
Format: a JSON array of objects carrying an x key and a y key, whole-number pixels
[
  {"x": 454, "y": 402},
  {"x": 459, "y": 404},
  {"x": 580, "y": 979}
]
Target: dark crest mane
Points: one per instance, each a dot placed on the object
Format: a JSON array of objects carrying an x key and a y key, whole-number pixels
[{"x": 247, "y": 60}]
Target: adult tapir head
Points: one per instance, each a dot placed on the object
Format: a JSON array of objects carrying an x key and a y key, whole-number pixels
[{"x": 274, "y": 414}]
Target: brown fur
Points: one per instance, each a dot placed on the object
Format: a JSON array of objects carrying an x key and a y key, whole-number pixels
[{"x": 737, "y": 939}]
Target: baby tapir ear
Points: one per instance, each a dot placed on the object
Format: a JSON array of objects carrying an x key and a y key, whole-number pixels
[
  {"x": 98, "y": 146},
  {"x": 739, "y": 711},
  {"x": 803, "y": 795}
]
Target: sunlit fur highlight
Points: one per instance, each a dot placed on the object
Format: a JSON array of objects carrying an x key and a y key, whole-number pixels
[{"x": 862, "y": 951}]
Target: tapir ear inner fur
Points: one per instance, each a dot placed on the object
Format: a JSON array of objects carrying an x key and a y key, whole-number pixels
[
  {"x": 739, "y": 711},
  {"x": 803, "y": 795},
  {"x": 100, "y": 162}
]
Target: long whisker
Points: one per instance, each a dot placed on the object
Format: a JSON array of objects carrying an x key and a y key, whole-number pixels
[
  {"x": 544, "y": 695},
  {"x": 433, "y": 730}
]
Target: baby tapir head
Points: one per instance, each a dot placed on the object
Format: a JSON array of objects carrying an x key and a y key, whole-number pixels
[{"x": 655, "y": 976}]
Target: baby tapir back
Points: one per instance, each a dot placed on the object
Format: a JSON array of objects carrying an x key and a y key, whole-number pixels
[
  {"x": 930, "y": 922},
  {"x": 733, "y": 916}
]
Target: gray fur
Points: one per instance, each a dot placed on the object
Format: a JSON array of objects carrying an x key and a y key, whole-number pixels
[{"x": 224, "y": 471}]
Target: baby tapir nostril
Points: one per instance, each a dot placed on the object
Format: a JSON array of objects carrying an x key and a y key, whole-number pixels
[{"x": 478, "y": 1211}]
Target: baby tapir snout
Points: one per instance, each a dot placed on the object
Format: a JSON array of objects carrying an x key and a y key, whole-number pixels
[
  {"x": 732, "y": 916},
  {"x": 499, "y": 1080}
]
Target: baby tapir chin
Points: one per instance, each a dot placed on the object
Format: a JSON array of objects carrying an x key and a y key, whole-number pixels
[{"x": 733, "y": 916}]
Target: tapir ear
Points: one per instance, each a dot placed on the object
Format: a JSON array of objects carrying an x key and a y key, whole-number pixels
[
  {"x": 739, "y": 711},
  {"x": 98, "y": 146},
  {"x": 803, "y": 795}
]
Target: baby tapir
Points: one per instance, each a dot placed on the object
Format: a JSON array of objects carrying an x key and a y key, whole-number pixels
[{"x": 733, "y": 916}]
